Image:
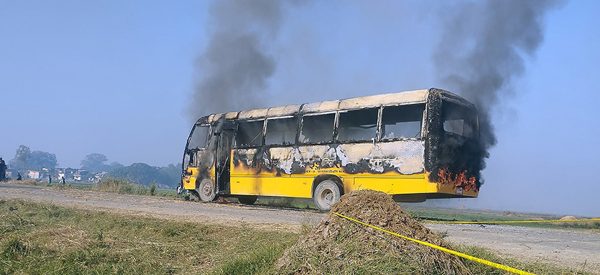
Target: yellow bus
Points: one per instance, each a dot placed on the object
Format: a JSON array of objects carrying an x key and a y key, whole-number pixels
[{"x": 413, "y": 145}]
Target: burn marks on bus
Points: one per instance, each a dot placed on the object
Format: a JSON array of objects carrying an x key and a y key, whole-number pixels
[
  {"x": 346, "y": 158},
  {"x": 438, "y": 135},
  {"x": 454, "y": 154},
  {"x": 352, "y": 147}
]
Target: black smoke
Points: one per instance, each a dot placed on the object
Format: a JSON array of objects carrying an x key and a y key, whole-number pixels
[
  {"x": 236, "y": 64},
  {"x": 482, "y": 50}
]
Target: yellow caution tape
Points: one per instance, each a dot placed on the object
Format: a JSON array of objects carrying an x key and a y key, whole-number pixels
[
  {"x": 517, "y": 221},
  {"x": 449, "y": 251}
]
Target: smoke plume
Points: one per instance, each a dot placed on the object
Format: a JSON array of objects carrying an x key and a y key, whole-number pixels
[
  {"x": 481, "y": 51},
  {"x": 236, "y": 64}
]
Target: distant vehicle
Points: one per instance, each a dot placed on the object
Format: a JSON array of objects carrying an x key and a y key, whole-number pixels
[{"x": 413, "y": 145}]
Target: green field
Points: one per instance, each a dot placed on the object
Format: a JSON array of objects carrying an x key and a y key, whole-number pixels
[{"x": 46, "y": 239}]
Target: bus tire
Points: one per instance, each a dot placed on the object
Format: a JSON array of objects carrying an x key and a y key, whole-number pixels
[
  {"x": 247, "y": 200},
  {"x": 207, "y": 191},
  {"x": 326, "y": 195}
]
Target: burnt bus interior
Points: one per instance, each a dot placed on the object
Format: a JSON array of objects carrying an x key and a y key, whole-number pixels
[{"x": 445, "y": 122}]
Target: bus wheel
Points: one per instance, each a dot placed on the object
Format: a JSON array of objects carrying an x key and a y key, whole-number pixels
[
  {"x": 247, "y": 200},
  {"x": 207, "y": 190},
  {"x": 326, "y": 195}
]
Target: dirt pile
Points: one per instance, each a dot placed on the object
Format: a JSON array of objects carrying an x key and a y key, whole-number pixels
[
  {"x": 568, "y": 218},
  {"x": 337, "y": 245}
]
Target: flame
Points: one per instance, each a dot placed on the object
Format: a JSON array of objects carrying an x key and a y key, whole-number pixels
[{"x": 458, "y": 180}]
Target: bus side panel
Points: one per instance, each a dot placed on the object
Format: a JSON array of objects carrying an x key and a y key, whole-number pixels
[
  {"x": 394, "y": 185},
  {"x": 395, "y": 167},
  {"x": 253, "y": 173},
  {"x": 296, "y": 187}
]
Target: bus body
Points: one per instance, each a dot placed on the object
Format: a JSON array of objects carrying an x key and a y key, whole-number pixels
[{"x": 412, "y": 145}]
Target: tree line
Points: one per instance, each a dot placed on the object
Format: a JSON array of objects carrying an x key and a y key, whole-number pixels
[{"x": 141, "y": 173}]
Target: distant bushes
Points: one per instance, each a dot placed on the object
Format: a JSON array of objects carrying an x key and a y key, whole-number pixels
[
  {"x": 126, "y": 187},
  {"x": 145, "y": 174},
  {"x": 121, "y": 186}
]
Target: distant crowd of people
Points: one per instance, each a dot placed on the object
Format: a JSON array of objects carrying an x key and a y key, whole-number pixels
[{"x": 3, "y": 168}]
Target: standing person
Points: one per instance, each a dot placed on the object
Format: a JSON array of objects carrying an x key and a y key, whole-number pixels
[
  {"x": 19, "y": 176},
  {"x": 2, "y": 170},
  {"x": 49, "y": 179},
  {"x": 62, "y": 180}
]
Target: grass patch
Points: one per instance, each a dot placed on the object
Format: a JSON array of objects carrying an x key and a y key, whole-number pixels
[
  {"x": 53, "y": 239},
  {"x": 42, "y": 238},
  {"x": 426, "y": 214},
  {"x": 27, "y": 182},
  {"x": 121, "y": 186},
  {"x": 107, "y": 185},
  {"x": 257, "y": 261}
]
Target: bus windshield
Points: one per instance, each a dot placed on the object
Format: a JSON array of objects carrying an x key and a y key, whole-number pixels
[
  {"x": 459, "y": 120},
  {"x": 198, "y": 137}
]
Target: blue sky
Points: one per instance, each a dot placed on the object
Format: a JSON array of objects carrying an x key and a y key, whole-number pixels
[{"x": 115, "y": 77}]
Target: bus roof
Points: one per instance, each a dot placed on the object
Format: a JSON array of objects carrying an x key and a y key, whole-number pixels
[{"x": 399, "y": 98}]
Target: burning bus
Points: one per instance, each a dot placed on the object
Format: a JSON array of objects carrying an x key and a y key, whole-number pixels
[{"x": 413, "y": 145}]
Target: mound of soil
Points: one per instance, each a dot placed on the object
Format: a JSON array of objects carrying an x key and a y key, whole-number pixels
[
  {"x": 337, "y": 245},
  {"x": 568, "y": 218}
]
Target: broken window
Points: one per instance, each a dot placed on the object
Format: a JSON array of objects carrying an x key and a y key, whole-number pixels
[
  {"x": 404, "y": 121},
  {"x": 459, "y": 120},
  {"x": 281, "y": 131},
  {"x": 317, "y": 128},
  {"x": 250, "y": 133},
  {"x": 199, "y": 137},
  {"x": 358, "y": 125}
]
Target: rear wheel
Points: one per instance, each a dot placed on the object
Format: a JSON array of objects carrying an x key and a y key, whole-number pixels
[
  {"x": 326, "y": 194},
  {"x": 207, "y": 191},
  {"x": 247, "y": 200}
]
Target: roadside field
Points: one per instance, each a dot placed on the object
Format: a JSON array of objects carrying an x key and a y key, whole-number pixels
[
  {"x": 48, "y": 239},
  {"x": 426, "y": 214},
  {"x": 575, "y": 249}
]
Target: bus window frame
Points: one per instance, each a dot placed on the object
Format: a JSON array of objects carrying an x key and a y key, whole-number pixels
[
  {"x": 193, "y": 161},
  {"x": 421, "y": 131},
  {"x": 207, "y": 137},
  {"x": 266, "y": 124},
  {"x": 333, "y": 129},
  {"x": 239, "y": 146},
  {"x": 476, "y": 132},
  {"x": 377, "y": 128}
]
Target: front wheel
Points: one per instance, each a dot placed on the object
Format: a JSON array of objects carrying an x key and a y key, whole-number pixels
[
  {"x": 326, "y": 195},
  {"x": 207, "y": 191}
]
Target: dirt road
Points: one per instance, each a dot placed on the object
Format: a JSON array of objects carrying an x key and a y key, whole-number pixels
[{"x": 574, "y": 248}]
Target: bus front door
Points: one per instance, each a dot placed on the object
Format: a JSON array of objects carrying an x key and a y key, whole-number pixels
[{"x": 223, "y": 162}]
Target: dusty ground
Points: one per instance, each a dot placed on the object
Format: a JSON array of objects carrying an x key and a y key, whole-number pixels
[{"x": 572, "y": 248}]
